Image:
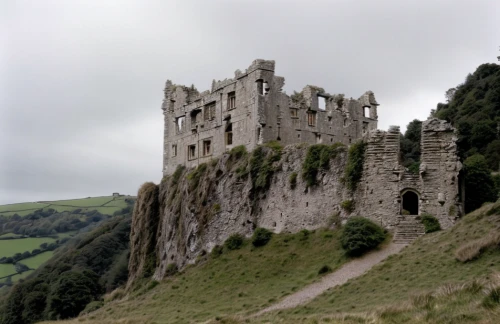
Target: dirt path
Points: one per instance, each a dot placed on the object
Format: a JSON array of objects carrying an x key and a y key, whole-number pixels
[{"x": 348, "y": 271}]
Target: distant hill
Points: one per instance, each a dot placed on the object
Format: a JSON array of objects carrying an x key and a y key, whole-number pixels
[{"x": 106, "y": 205}]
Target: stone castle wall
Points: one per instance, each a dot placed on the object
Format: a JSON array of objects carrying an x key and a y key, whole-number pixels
[
  {"x": 385, "y": 182},
  {"x": 197, "y": 125}
]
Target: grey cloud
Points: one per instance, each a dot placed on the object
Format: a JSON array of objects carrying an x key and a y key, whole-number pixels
[{"x": 81, "y": 82}]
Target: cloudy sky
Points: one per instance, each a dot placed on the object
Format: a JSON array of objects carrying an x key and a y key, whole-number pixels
[{"x": 81, "y": 81}]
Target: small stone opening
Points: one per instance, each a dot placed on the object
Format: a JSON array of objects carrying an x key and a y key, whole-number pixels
[
  {"x": 410, "y": 202},
  {"x": 229, "y": 134},
  {"x": 366, "y": 111},
  {"x": 321, "y": 103}
]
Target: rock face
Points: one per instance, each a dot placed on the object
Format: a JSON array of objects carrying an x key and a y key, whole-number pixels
[
  {"x": 197, "y": 216},
  {"x": 143, "y": 233},
  {"x": 195, "y": 209}
]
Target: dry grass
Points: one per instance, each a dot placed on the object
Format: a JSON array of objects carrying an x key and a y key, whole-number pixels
[{"x": 472, "y": 250}]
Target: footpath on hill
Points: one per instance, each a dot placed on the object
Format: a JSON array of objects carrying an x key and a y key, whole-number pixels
[{"x": 353, "y": 269}]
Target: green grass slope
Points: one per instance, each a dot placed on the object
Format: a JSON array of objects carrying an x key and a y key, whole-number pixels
[
  {"x": 425, "y": 283},
  {"x": 241, "y": 281}
]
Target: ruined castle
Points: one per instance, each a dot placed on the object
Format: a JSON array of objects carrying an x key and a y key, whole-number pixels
[{"x": 250, "y": 110}]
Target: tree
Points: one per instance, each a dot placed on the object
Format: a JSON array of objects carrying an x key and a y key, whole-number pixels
[
  {"x": 72, "y": 292},
  {"x": 449, "y": 94},
  {"x": 479, "y": 186}
]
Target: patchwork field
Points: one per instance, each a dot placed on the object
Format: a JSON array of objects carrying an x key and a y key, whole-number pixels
[
  {"x": 11, "y": 247},
  {"x": 105, "y": 205}
]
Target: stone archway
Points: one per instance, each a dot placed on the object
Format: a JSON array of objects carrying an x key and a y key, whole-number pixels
[{"x": 409, "y": 202}]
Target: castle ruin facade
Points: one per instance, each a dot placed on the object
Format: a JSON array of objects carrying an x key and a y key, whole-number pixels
[{"x": 251, "y": 109}]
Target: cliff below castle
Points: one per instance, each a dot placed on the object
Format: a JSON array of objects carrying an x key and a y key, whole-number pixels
[
  {"x": 289, "y": 189},
  {"x": 200, "y": 208}
]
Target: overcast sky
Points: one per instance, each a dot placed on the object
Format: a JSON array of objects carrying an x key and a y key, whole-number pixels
[{"x": 81, "y": 81}]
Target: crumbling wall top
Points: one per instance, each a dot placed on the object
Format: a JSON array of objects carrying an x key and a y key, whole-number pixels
[
  {"x": 368, "y": 99},
  {"x": 436, "y": 125}
]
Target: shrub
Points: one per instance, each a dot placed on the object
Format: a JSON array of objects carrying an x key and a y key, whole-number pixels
[
  {"x": 152, "y": 284},
  {"x": 361, "y": 235},
  {"x": 217, "y": 251},
  {"x": 194, "y": 177},
  {"x": 261, "y": 169},
  {"x": 317, "y": 158},
  {"x": 304, "y": 235},
  {"x": 354, "y": 167},
  {"x": 293, "y": 180},
  {"x": 347, "y": 205},
  {"x": 171, "y": 269},
  {"x": 238, "y": 152},
  {"x": 324, "y": 269},
  {"x": 261, "y": 237},
  {"x": 92, "y": 307},
  {"x": 492, "y": 299},
  {"x": 405, "y": 212},
  {"x": 431, "y": 223},
  {"x": 177, "y": 174},
  {"x": 234, "y": 242}
]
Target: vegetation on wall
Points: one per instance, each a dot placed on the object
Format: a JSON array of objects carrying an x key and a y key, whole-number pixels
[
  {"x": 261, "y": 165},
  {"x": 347, "y": 205},
  {"x": 354, "y": 167},
  {"x": 318, "y": 158}
]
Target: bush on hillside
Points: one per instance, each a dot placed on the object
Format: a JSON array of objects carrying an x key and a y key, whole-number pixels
[
  {"x": 234, "y": 242},
  {"x": 71, "y": 293},
  {"x": 361, "y": 235},
  {"x": 261, "y": 237},
  {"x": 431, "y": 223}
]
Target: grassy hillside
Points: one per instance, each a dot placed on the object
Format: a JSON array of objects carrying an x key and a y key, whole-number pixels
[
  {"x": 106, "y": 205},
  {"x": 242, "y": 281},
  {"x": 425, "y": 268},
  {"x": 425, "y": 283}
]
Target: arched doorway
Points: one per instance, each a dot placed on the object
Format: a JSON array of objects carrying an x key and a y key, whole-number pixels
[{"x": 410, "y": 202}]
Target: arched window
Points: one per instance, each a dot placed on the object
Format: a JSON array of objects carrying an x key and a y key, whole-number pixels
[{"x": 409, "y": 202}]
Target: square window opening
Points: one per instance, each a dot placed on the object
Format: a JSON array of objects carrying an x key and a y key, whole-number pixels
[
  {"x": 192, "y": 151},
  {"x": 231, "y": 100},
  {"x": 207, "y": 147}
]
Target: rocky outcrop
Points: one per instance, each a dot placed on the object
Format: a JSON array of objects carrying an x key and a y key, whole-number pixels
[
  {"x": 201, "y": 210},
  {"x": 143, "y": 233}
]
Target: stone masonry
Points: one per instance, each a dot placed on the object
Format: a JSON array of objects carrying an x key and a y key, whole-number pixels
[
  {"x": 251, "y": 109},
  {"x": 388, "y": 189}
]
